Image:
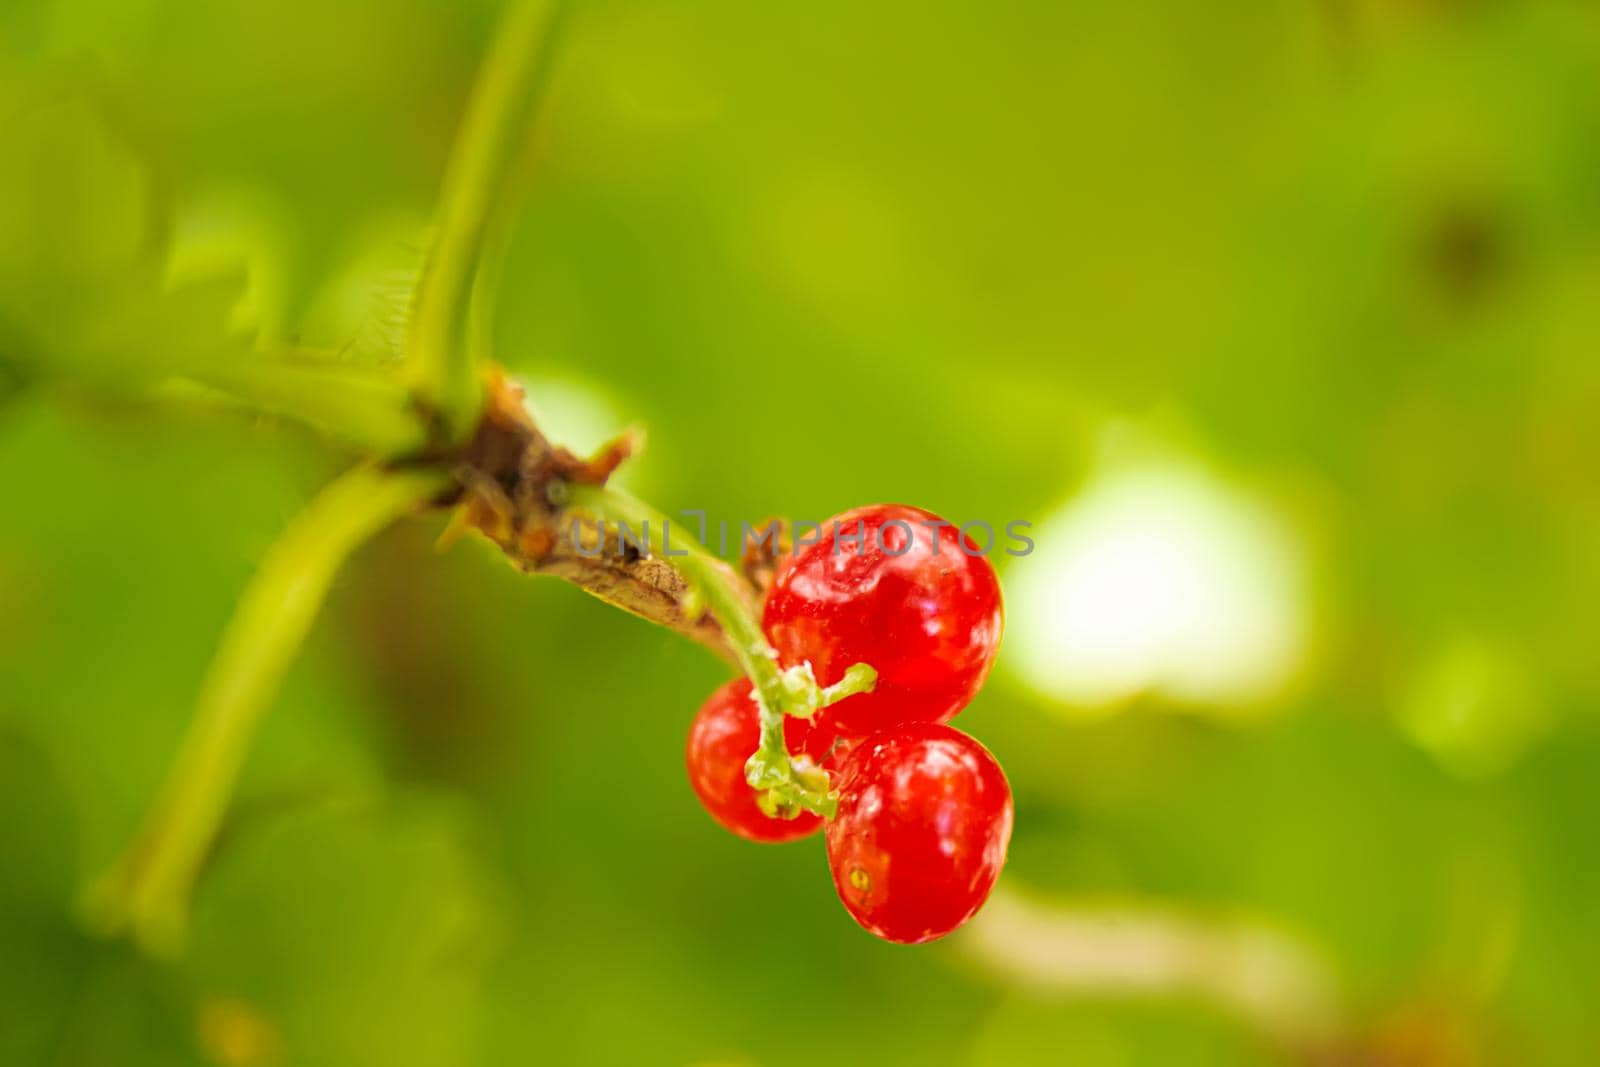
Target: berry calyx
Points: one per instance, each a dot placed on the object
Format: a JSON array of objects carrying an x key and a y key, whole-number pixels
[
  {"x": 901, "y": 589},
  {"x": 824, "y": 747},
  {"x": 726, "y": 731},
  {"x": 921, "y": 833}
]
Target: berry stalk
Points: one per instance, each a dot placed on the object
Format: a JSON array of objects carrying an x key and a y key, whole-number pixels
[{"x": 791, "y": 785}]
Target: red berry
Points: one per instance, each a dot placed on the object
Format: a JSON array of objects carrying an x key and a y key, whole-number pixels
[
  {"x": 908, "y": 598},
  {"x": 921, "y": 834},
  {"x": 725, "y": 734}
]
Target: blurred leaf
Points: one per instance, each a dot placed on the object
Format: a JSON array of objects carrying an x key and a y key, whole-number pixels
[
  {"x": 43, "y": 958},
  {"x": 356, "y": 934},
  {"x": 84, "y": 238}
]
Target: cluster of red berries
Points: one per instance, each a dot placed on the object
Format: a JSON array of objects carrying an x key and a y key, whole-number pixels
[{"x": 924, "y": 811}]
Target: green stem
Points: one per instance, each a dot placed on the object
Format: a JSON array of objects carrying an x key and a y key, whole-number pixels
[
  {"x": 791, "y": 784},
  {"x": 363, "y": 406},
  {"x": 442, "y": 367},
  {"x": 147, "y": 892}
]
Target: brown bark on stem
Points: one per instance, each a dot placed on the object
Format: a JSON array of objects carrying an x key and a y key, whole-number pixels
[{"x": 513, "y": 488}]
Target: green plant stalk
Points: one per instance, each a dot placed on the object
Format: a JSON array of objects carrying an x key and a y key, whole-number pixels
[
  {"x": 147, "y": 893},
  {"x": 363, "y": 406},
  {"x": 791, "y": 785},
  {"x": 441, "y": 366}
]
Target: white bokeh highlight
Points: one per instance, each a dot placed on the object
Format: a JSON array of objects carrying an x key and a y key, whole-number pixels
[{"x": 1163, "y": 579}]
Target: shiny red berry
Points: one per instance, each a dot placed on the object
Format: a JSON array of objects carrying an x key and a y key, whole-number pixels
[
  {"x": 921, "y": 834},
  {"x": 725, "y": 734},
  {"x": 901, "y": 589}
]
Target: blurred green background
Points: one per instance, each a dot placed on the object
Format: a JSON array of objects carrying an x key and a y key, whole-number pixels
[{"x": 1280, "y": 321}]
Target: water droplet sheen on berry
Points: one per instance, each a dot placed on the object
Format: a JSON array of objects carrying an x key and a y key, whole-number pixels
[
  {"x": 901, "y": 589},
  {"x": 921, "y": 834}
]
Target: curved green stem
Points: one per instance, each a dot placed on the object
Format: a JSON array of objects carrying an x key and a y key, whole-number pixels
[
  {"x": 147, "y": 892},
  {"x": 791, "y": 784},
  {"x": 442, "y": 363}
]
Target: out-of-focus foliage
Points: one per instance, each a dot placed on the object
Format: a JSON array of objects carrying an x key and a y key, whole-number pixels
[{"x": 1338, "y": 260}]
